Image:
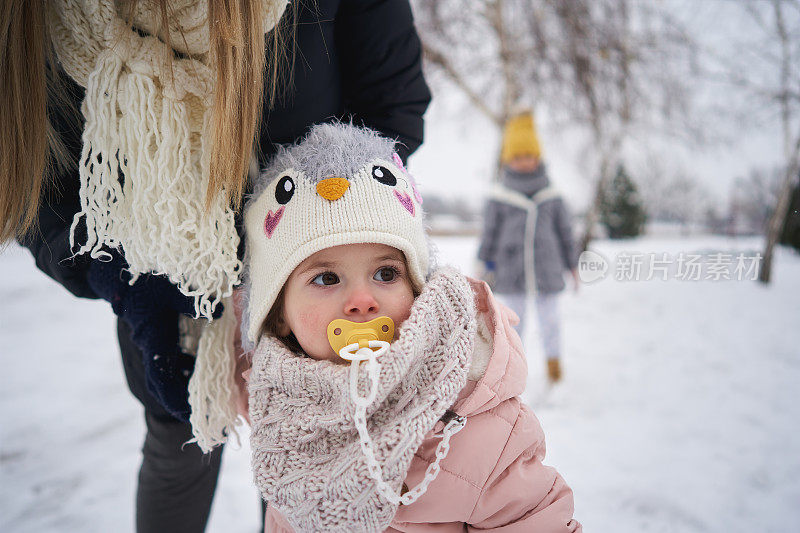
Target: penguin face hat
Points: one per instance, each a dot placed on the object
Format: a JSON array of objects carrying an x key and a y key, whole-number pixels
[{"x": 340, "y": 185}]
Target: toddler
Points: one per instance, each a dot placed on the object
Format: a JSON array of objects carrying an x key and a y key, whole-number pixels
[
  {"x": 383, "y": 394},
  {"x": 527, "y": 242}
]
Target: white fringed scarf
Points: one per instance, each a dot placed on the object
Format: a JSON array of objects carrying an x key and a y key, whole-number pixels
[{"x": 147, "y": 114}]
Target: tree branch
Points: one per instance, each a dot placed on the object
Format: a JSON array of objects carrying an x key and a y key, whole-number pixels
[{"x": 438, "y": 59}]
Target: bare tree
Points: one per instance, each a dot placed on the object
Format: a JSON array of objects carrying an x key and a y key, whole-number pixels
[
  {"x": 788, "y": 98},
  {"x": 606, "y": 66},
  {"x": 755, "y": 197},
  {"x": 762, "y": 66}
]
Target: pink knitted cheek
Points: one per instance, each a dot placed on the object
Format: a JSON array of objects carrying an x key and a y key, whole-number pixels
[
  {"x": 271, "y": 222},
  {"x": 405, "y": 201},
  {"x": 399, "y": 163}
]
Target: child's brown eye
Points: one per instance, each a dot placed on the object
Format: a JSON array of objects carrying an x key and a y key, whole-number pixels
[
  {"x": 326, "y": 278},
  {"x": 385, "y": 274}
]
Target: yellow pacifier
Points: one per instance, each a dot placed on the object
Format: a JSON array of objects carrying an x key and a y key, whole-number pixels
[{"x": 343, "y": 333}]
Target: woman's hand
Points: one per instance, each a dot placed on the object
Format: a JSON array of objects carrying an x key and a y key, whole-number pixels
[{"x": 151, "y": 307}]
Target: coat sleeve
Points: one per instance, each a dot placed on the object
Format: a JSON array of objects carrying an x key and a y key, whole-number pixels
[
  {"x": 381, "y": 64},
  {"x": 48, "y": 241},
  {"x": 522, "y": 494},
  {"x": 566, "y": 240},
  {"x": 492, "y": 223}
]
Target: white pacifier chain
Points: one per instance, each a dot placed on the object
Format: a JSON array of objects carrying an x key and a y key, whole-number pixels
[{"x": 370, "y": 354}]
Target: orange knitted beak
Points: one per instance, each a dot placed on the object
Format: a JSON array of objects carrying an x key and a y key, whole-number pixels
[{"x": 332, "y": 188}]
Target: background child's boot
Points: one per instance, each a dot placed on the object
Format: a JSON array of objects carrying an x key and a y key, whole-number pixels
[{"x": 554, "y": 369}]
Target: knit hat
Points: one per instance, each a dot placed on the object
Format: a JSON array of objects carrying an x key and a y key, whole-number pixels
[
  {"x": 340, "y": 185},
  {"x": 520, "y": 138}
]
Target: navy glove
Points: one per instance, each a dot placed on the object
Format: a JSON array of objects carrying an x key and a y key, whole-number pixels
[{"x": 151, "y": 307}]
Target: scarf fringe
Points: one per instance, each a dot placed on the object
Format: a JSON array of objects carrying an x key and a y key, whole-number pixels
[
  {"x": 212, "y": 388},
  {"x": 157, "y": 215}
]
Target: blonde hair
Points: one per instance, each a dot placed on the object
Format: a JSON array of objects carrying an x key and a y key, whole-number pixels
[
  {"x": 28, "y": 149},
  {"x": 238, "y": 55},
  {"x": 24, "y": 154}
]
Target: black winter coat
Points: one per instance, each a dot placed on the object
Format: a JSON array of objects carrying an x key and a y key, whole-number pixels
[{"x": 353, "y": 59}]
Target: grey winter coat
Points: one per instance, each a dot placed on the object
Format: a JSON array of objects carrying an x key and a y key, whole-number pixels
[{"x": 507, "y": 228}]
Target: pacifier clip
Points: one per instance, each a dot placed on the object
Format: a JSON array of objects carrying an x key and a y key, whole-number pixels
[{"x": 367, "y": 341}]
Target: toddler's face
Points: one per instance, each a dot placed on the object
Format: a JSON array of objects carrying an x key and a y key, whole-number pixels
[
  {"x": 524, "y": 163},
  {"x": 357, "y": 282}
]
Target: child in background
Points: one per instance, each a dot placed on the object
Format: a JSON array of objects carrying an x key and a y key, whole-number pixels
[
  {"x": 527, "y": 242},
  {"x": 428, "y": 429}
]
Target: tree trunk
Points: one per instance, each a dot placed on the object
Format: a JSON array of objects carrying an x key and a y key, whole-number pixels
[
  {"x": 593, "y": 212},
  {"x": 791, "y": 156},
  {"x": 777, "y": 221}
]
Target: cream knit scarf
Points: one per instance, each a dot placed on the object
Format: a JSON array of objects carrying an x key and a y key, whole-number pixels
[
  {"x": 305, "y": 446},
  {"x": 147, "y": 113}
]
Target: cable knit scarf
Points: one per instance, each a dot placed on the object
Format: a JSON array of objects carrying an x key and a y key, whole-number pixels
[
  {"x": 146, "y": 114},
  {"x": 305, "y": 446}
]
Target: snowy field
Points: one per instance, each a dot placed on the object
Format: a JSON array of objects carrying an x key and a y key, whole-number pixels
[{"x": 678, "y": 413}]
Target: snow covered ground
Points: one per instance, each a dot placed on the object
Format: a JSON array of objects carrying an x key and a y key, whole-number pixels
[{"x": 678, "y": 413}]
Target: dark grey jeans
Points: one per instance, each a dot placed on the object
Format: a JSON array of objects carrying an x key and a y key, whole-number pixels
[{"x": 176, "y": 482}]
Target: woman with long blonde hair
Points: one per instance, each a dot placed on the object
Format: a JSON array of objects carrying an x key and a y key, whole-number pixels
[{"x": 129, "y": 129}]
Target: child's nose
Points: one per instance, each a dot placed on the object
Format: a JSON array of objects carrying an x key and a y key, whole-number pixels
[{"x": 360, "y": 302}]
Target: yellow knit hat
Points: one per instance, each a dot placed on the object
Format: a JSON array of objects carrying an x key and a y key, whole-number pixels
[{"x": 520, "y": 138}]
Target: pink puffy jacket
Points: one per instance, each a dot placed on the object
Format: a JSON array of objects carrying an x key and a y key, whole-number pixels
[{"x": 493, "y": 478}]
